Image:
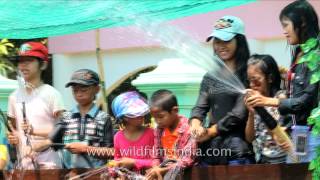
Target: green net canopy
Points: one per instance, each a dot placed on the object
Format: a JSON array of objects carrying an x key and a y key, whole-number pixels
[{"x": 24, "y": 19}]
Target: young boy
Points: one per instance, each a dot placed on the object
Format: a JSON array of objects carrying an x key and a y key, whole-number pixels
[
  {"x": 86, "y": 131},
  {"x": 172, "y": 134},
  {"x": 42, "y": 104}
]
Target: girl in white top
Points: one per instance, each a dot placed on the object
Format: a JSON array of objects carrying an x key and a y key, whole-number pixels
[{"x": 43, "y": 104}]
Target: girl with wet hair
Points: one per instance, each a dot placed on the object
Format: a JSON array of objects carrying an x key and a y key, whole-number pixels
[
  {"x": 300, "y": 25},
  {"x": 264, "y": 79}
]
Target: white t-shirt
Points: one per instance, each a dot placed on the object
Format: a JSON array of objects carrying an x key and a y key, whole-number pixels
[{"x": 41, "y": 105}]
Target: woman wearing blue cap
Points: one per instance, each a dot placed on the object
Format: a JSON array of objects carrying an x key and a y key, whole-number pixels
[
  {"x": 133, "y": 145},
  {"x": 226, "y": 110}
]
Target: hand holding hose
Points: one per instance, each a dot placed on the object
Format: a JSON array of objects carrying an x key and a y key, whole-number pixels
[{"x": 27, "y": 128}]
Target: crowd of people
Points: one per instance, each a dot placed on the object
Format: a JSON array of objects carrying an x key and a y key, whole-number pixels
[{"x": 45, "y": 135}]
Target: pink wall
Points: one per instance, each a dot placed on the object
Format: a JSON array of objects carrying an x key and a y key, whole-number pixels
[{"x": 260, "y": 18}]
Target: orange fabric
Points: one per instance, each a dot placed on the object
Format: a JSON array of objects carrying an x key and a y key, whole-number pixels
[{"x": 168, "y": 141}]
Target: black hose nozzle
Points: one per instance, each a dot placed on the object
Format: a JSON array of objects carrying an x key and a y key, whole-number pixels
[
  {"x": 57, "y": 133},
  {"x": 270, "y": 122}
]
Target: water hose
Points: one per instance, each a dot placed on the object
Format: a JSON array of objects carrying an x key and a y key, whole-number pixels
[{"x": 275, "y": 128}]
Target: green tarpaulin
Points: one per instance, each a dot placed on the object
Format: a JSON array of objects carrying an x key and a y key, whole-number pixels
[{"x": 24, "y": 19}]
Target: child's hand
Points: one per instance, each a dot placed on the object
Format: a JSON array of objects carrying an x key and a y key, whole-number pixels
[
  {"x": 13, "y": 138},
  {"x": 154, "y": 173},
  {"x": 249, "y": 107},
  {"x": 125, "y": 162},
  {"x": 197, "y": 130},
  {"x": 77, "y": 147},
  {"x": 284, "y": 145},
  {"x": 281, "y": 95},
  {"x": 254, "y": 99},
  {"x": 203, "y": 138}
]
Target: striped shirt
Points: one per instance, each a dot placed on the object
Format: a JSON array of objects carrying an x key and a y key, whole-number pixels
[{"x": 93, "y": 129}]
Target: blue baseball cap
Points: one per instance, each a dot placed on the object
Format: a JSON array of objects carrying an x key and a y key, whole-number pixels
[{"x": 227, "y": 28}]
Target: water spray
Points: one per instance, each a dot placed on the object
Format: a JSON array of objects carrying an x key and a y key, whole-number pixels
[
  {"x": 22, "y": 97},
  {"x": 195, "y": 53}
]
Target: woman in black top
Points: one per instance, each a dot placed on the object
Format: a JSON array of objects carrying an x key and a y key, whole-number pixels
[{"x": 226, "y": 110}]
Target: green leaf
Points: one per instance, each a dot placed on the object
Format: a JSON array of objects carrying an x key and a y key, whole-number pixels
[
  {"x": 315, "y": 131},
  {"x": 310, "y": 44},
  {"x": 315, "y": 113},
  {"x": 312, "y": 60},
  {"x": 315, "y": 77},
  {"x": 4, "y": 41},
  {"x": 303, "y": 59},
  {"x": 310, "y": 121},
  {"x": 9, "y": 44},
  {"x": 314, "y": 120},
  {"x": 3, "y": 50},
  {"x": 318, "y": 152},
  {"x": 312, "y": 165}
]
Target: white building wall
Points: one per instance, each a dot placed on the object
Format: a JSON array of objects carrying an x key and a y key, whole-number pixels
[
  {"x": 118, "y": 63},
  {"x": 276, "y": 47}
]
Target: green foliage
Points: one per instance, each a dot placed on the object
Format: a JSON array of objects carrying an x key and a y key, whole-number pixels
[
  {"x": 311, "y": 56},
  {"x": 314, "y": 166},
  {"x": 6, "y": 66},
  {"x": 314, "y": 120}
]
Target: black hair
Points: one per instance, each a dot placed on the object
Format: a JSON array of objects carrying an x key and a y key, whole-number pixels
[
  {"x": 304, "y": 19},
  {"x": 269, "y": 67},
  {"x": 242, "y": 55},
  {"x": 163, "y": 99},
  {"x": 46, "y": 75}
]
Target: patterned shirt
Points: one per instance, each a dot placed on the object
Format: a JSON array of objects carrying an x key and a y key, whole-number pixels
[
  {"x": 94, "y": 129},
  {"x": 184, "y": 147},
  {"x": 264, "y": 145}
]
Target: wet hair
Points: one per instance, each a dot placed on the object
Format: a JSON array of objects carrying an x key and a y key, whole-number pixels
[
  {"x": 304, "y": 19},
  {"x": 269, "y": 68},
  {"x": 242, "y": 55},
  {"x": 163, "y": 99}
]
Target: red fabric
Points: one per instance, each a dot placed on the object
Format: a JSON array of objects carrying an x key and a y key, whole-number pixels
[{"x": 290, "y": 74}]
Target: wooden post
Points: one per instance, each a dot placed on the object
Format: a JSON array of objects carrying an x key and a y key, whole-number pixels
[{"x": 101, "y": 100}]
